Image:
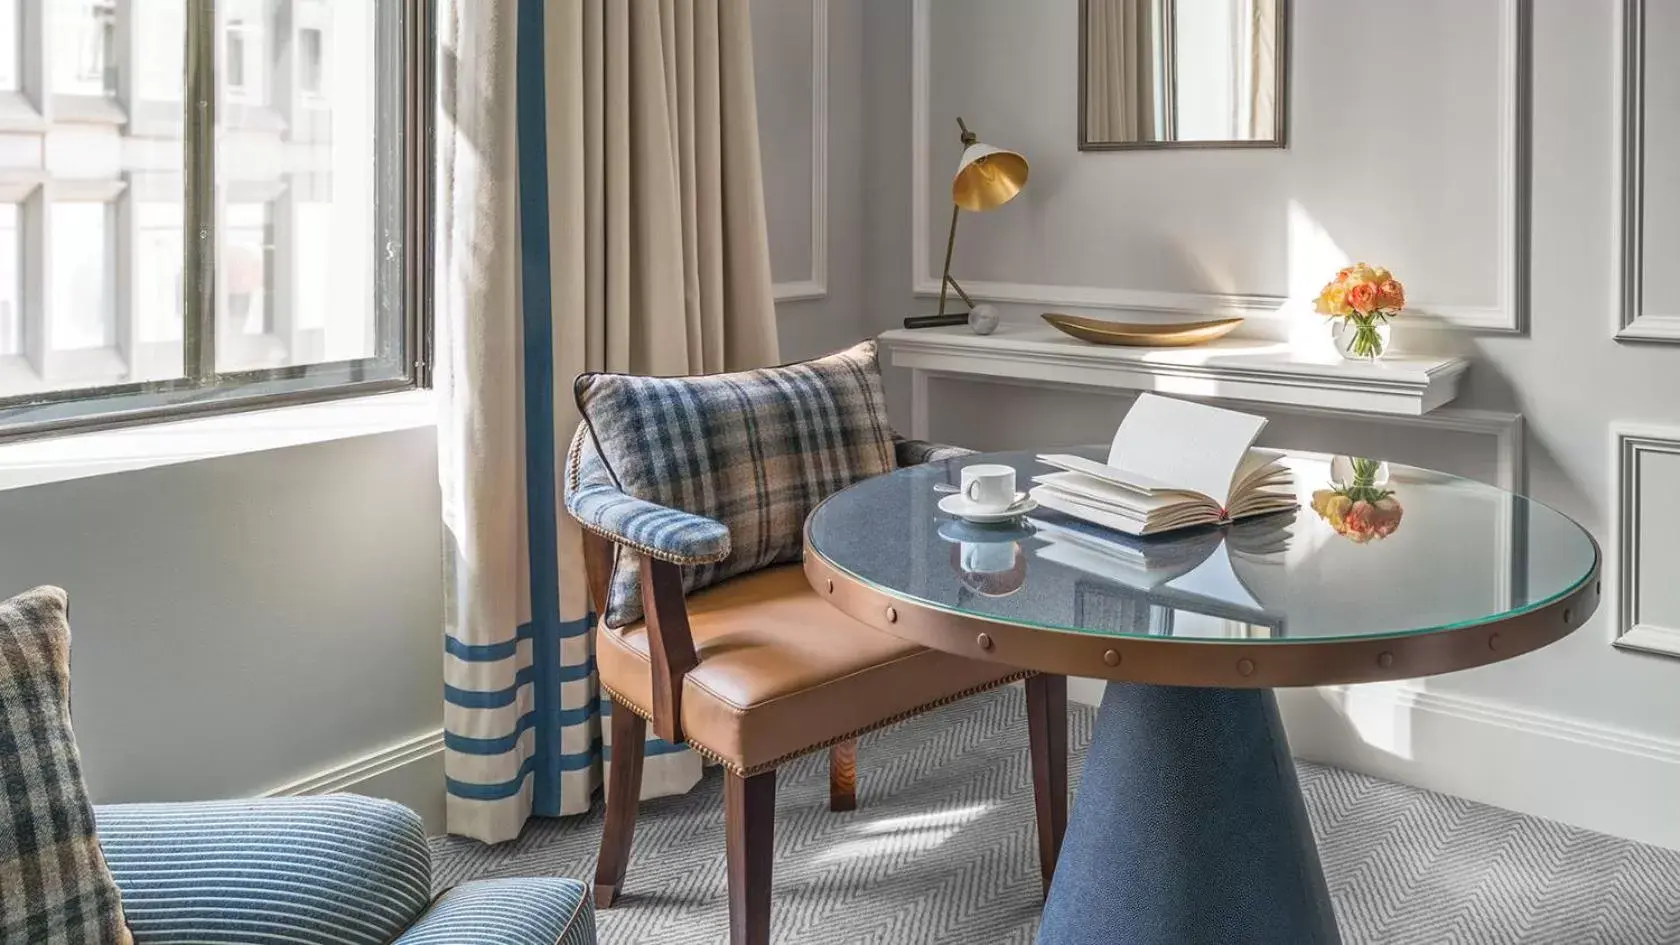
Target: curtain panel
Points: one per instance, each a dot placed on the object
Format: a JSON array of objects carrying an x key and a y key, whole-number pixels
[{"x": 600, "y": 207}]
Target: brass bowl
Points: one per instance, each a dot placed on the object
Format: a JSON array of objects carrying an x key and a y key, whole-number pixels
[{"x": 1141, "y": 334}]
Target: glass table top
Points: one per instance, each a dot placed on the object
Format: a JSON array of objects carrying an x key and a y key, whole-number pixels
[{"x": 1374, "y": 550}]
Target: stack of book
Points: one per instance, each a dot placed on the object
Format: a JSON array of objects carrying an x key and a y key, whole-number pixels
[
  {"x": 1172, "y": 465},
  {"x": 1145, "y": 518}
]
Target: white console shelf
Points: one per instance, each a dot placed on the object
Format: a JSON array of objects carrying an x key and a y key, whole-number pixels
[{"x": 1237, "y": 370}]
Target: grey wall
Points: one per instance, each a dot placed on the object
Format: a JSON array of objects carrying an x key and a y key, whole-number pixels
[
  {"x": 783, "y": 51},
  {"x": 242, "y": 622}
]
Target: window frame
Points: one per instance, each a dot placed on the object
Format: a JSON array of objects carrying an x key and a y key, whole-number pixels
[{"x": 407, "y": 110}]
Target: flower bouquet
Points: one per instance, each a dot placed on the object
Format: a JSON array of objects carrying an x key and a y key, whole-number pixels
[
  {"x": 1361, "y": 508},
  {"x": 1360, "y": 301}
]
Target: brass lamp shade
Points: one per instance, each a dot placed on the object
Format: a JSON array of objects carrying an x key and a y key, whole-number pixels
[{"x": 987, "y": 177}]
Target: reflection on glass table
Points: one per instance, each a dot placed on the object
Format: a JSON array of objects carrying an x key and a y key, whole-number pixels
[
  {"x": 988, "y": 559},
  {"x": 1468, "y": 553}
]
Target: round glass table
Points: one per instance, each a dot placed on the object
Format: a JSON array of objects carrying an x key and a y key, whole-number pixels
[{"x": 1189, "y": 825}]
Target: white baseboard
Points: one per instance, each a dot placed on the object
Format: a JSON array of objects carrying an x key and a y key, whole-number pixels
[
  {"x": 409, "y": 772},
  {"x": 1594, "y": 776}
]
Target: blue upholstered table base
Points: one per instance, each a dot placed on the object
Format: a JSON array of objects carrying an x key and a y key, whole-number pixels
[{"x": 1188, "y": 828}]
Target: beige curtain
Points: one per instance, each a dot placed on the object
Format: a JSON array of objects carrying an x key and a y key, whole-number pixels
[
  {"x": 600, "y": 207},
  {"x": 1122, "y": 69},
  {"x": 660, "y": 259}
]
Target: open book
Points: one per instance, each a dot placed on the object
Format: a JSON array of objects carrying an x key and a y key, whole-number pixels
[{"x": 1173, "y": 464}]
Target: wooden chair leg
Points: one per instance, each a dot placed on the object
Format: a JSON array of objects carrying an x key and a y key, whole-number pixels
[
  {"x": 750, "y": 822},
  {"x": 1047, "y": 737},
  {"x": 624, "y": 792},
  {"x": 842, "y": 776}
]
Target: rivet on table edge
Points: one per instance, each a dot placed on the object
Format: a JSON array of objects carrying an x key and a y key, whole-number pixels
[
  {"x": 984, "y": 640},
  {"x": 1111, "y": 657},
  {"x": 1245, "y": 667},
  {"x": 892, "y": 615},
  {"x": 1566, "y": 614},
  {"x": 1493, "y": 641},
  {"x": 1385, "y": 659},
  {"x": 831, "y": 586}
]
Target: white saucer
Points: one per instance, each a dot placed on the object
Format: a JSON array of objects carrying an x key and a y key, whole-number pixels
[{"x": 960, "y": 507}]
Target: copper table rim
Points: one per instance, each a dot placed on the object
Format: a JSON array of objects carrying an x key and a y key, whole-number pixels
[{"x": 1187, "y": 662}]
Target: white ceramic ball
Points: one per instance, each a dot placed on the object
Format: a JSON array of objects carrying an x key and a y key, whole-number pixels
[{"x": 983, "y": 318}]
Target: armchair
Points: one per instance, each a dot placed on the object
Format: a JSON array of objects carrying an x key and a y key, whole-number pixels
[
  {"x": 338, "y": 868},
  {"x": 758, "y": 670}
]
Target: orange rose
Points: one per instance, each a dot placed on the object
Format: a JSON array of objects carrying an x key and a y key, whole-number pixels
[
  {"x": 1362, "y": 298},
  {"x": 1388, "y": 517},
  {"x": 1391, "y": 296}
]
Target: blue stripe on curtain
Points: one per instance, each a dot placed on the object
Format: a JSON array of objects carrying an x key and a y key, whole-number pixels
[
  {"x": 539, "y": 726},
  {"x": 573, "y": 761},
  {"x": 538, "y": 308},
  {"x": 485, "y": 652}
]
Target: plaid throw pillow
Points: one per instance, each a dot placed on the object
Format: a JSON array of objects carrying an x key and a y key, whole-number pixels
[
  {"x": 54, "y": 886},
  {"x": 755, "y": 450}
]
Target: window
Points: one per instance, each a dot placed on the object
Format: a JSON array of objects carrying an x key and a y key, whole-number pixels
[
  {"x": 235, "y": 71},
  {"x": 155, "y": 259},
  {"x": 310, "y": 52}
]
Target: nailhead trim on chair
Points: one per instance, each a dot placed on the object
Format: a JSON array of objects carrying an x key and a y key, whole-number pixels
[{"x": 710, "y": 755}]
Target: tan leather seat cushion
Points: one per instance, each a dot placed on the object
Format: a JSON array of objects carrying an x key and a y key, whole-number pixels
[{"x": 781, "y": 671}]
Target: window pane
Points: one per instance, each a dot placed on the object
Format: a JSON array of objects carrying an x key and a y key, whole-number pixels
[
  {"x": 83, "y": 308},
  {"x": 245, "y": 55},
  {"x": 302, "y": 270},
  {"x": 311, "y": 60},
  {"x": 158, "y": 287},
  {"x": 11, "y": 281},
  {"x": 84, "y": 43},
  {"x": 158, "y": 74}
]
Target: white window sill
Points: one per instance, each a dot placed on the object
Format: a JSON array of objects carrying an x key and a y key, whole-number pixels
[{"x": 103, "y": 452}]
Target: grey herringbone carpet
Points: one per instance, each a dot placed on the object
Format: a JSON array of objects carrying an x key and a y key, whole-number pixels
[{"x": 942, "y": 850}]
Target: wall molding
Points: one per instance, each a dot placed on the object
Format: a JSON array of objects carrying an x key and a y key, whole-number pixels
[
  {"x": 816, "y": 286},
  {"x": 349, "y": 774},
  {"x": 1630, "y": 443},
  {"x": 1549, "y": 766},
  {"x": 1633, "y": 323},
  {"x": 1508, "y": 315}
]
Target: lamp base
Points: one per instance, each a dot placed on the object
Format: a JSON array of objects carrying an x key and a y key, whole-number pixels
[{"x": 936, "y": 321}]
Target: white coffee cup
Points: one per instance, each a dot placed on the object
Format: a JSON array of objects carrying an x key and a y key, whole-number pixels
[
  {"x": 988, "y": 557},
  {"x": 989, "y": 487}
]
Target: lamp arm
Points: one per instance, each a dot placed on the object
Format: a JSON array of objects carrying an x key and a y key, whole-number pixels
[{"x": 945, "y": 279}]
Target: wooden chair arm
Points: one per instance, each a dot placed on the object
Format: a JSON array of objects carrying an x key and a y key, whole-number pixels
[{"x": 670, "y": 642}]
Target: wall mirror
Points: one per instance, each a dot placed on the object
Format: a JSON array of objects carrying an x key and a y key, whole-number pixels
[{"x": 1183, "y": 74}]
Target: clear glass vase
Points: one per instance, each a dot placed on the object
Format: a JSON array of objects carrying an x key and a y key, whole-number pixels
[
  {"x": 1350, "y": 473},
  {"x": 1361, "y": 337}
]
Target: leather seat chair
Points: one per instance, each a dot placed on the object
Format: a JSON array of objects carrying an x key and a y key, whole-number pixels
[{"x": 759, "y": 670}]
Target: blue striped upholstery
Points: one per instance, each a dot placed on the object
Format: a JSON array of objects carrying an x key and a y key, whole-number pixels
[
  {"x": 536, "y": 911},
  {"x": 341, "y": 869},
  {"x": 337, "y": 869}
]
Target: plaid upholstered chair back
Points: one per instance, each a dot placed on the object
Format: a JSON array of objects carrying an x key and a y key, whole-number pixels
[{"x": 754, "y": 451}]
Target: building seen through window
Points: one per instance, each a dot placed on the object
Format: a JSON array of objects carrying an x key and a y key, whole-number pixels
[{"x": 308, "y": 206}]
